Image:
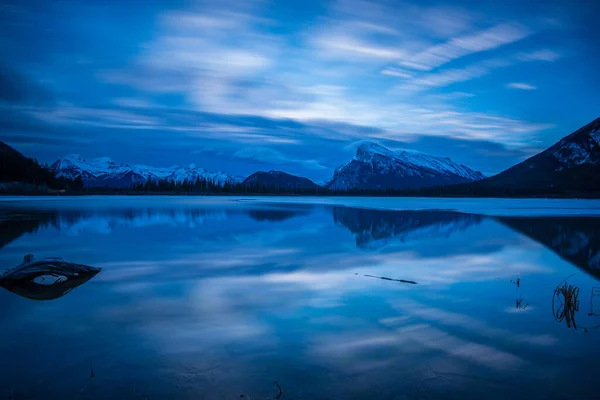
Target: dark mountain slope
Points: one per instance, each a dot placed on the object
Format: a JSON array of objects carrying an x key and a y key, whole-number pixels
[
  {"x": 279, "y": 180},
  {"x": 16, "y": 168},
  {"x": 572, "y": 164}
]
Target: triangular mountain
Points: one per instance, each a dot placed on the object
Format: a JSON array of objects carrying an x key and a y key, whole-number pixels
[{"x": 375, "y": 167}]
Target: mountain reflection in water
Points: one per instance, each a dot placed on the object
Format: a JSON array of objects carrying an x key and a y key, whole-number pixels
[
  {"x": 575, "y": 239},
  {"x": 216, "y": 302}
]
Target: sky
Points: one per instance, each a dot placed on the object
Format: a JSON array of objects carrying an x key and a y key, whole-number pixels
[{"x": 295, "y": 85}]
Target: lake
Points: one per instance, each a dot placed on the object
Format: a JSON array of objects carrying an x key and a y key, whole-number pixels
[{"x": 283, "y": 298}]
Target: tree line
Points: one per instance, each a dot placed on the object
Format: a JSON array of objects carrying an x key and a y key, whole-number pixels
[
  {"x": 204, "y": 186},
  {"x": 34, "y": 177},
  {"x": 208, "y": 186}
]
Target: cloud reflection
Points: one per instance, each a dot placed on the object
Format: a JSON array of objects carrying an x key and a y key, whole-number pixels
[{"x": 251, "y": 286}]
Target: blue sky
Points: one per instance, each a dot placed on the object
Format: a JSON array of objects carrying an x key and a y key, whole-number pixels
[{"x": 295, "y": 85}]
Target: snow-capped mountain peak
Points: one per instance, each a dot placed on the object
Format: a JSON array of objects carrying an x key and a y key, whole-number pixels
[
  {"x": 104, "y": 171},
  {"x": 377, "y": 167},
  {"x": 94, "y": 165},
  {"x": 367, "y": 150}
]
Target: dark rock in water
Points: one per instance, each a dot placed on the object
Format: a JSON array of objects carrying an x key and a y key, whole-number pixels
[{"x": 46, "y": 279}]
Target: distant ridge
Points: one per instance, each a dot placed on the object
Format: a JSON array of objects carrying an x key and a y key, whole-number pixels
[{"x": 279, "y": 180}]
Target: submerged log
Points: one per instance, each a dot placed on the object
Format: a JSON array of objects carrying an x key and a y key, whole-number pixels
[{"x": 46, "y": 279}]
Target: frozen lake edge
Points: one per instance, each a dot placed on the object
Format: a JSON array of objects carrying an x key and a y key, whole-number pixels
[{"x": 484, "y": 206}]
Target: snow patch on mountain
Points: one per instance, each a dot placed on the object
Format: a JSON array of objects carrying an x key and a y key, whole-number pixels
[
  {"x": 596, "y": 135},
  {"x": 570, "y": 154},
  {"x": 71, "y": 165},
  {"x": 581, "y": 147}
]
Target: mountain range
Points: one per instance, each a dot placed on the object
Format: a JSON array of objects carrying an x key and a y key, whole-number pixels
[
  {"x": 569, "y": 167},
  {"x": 374, "y": 167},
  {"x": 104, "y": 172}
]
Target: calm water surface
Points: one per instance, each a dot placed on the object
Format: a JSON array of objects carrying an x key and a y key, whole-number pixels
[{"x": 221, "y": 298}]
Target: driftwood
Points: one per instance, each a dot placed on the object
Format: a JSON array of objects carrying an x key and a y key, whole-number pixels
[
  {"x": 46, "y": 279},
  {"x": 391, "y": 279}
]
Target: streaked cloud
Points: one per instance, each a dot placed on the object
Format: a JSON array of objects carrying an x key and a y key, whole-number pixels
[
  {"x": 540, "y": 55},
  {"x": 254, "y": 74},
  {"x": 458, "y": 47},
  {"x": 521, "y": 86},
  {"x": 232, "y": 75},
  {"x": 354, "y": 48},
  {"x": 449, "y": 76},
  {"x": 396, "y": 72}
]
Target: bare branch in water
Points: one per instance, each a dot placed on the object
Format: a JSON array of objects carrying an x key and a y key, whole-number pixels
[
  {"x": 280, "y": 391},
  {"x": 522, "y": 304},
  {"x": 88, "y": 382},
  {"x": 595, "y": 293},
  {"x": 517, "y": 282},
  {"x": 565, "y": 303}
]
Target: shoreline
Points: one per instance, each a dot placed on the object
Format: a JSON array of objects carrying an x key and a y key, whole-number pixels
[{"x": 578, "y": 196}]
